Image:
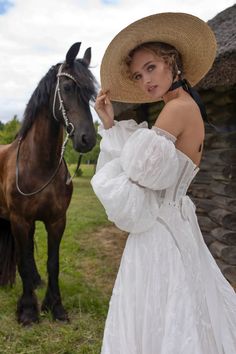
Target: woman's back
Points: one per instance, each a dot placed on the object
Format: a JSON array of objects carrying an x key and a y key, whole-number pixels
[{"x": 182, "y": 118}]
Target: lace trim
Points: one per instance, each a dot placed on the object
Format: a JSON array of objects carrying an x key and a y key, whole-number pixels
[
  {"x": 165, "y": 133},
  {"x": 123, "y": 124}
]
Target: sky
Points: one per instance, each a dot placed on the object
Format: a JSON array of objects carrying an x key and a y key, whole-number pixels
[{"x": 34, "y": 35}]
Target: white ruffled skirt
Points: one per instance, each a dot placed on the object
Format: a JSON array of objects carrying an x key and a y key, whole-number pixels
[{"x": 170, "y": 297}]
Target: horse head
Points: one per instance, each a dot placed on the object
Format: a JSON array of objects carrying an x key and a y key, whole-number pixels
[{"x": 74, "y": 91}]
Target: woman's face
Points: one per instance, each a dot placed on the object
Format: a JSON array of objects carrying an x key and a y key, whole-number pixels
[{"x": 151, "y": 73}]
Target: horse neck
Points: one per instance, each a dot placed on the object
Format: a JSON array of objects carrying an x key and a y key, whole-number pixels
[{"x": 45, "y": 139}]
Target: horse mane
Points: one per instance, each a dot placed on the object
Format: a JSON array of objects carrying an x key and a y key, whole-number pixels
[
  {"x": 41, "y": 95},
  {"x": 39, "y": 99}
]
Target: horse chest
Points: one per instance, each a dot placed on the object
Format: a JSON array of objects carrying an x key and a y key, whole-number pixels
[{"x": 51, "y": 205}]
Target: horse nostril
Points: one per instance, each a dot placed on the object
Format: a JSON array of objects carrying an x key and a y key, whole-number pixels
[{"x": 84, "y": 139}]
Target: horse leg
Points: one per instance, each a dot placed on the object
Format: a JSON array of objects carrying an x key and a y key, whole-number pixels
[
  {"x": 27, "y": 307},
  {"x": 7, "y": 254},
  {"x": 35, "y": 274},
  {"x": 52, "y": 300}
]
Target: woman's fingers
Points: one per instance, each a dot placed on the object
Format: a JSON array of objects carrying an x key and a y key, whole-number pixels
[
  {"x": 101, "y": 92},
  {"x": 103, "y": 107},
  {"x": 100, "y": 102},
  {"x": 108, "y": 99},
  {"x": 102, "y": 99}
]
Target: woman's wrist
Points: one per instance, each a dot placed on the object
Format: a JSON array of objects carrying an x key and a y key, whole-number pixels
[{"x": 108, "y": 125}]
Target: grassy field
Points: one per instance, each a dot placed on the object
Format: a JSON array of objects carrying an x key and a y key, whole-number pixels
[{"x": 86, "y": 278}]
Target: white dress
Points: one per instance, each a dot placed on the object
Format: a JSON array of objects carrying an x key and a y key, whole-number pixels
[{"x": 169, "y": 296}]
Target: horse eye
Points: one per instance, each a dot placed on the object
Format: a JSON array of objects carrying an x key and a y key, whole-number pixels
[{"x": 67, "y": 87}]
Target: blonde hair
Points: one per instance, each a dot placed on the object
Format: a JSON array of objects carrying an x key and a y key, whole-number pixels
[{"x": 166, "y": 51}]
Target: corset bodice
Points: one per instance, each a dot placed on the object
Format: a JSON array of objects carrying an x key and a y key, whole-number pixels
[{"x": 187, "y": 171}]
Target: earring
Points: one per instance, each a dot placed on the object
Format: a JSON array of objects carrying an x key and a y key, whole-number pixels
[{"x": 178, "y": 72}]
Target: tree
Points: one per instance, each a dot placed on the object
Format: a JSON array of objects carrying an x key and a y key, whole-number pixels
[
  {"x": 9, "y": 131},
  {"x": 71, "y": 156}
]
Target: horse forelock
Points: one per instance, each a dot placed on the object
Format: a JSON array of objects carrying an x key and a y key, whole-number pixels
[{"x": 86, "y": 81}]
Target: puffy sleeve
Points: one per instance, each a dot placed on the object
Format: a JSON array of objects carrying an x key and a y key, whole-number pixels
[
  {"x": 149, "y": 158},
  {"x": 113, "y": 139},
  {"x": 126, "y": 185},
  {"x": 131, "y": 207}
]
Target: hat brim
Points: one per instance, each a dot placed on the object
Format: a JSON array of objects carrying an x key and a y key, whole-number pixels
[{"x": 191, "y": 36}]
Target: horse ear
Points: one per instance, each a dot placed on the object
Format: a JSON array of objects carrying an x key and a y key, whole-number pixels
[
  {"x": 87, "y": 57},
  {"x": 72, "y": 53}
]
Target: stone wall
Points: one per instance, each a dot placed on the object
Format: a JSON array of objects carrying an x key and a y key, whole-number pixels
[{"x": 214, "y": 187}]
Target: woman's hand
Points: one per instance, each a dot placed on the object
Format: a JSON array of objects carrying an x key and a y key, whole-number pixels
[{"x": 104, "y": 109}]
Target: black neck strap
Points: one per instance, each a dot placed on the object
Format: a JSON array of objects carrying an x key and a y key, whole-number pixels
[
  {"x": 193, "y": 93},
  {"x": 176, "y": 84}
]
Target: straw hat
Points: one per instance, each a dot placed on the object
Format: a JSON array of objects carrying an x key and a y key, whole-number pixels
[{"x": 191, "y": 36}]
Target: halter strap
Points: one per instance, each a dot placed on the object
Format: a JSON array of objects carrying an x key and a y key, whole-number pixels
[
  {"x": 68, "y": 75},
  {"x": 69, "y": 126}
]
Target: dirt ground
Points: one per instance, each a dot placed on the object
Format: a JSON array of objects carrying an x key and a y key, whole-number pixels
[
  {"x": 100, "y": 268},
  {"x": 112, "y": 240}
]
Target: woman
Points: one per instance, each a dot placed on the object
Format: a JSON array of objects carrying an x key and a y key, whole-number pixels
[{"x": 169, "y": 297}]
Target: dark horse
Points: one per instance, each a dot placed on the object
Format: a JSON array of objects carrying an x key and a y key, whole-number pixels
[{"x": 33, "y": 178}]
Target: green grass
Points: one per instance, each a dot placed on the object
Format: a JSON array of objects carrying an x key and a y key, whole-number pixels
[{"x": 84, "y": 273}]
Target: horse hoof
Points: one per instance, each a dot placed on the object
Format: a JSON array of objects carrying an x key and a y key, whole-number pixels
[
  {"x": 27, "y": 318},
  {"x": 27, "y": 310},
  {"x": 60, "y": 315},
  {"x": 58, "y": 311}
]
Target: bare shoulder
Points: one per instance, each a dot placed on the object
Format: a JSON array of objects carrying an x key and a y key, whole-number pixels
[
  {"x": 176, "y": 115},
  {"x": 179, "y": 108}
]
